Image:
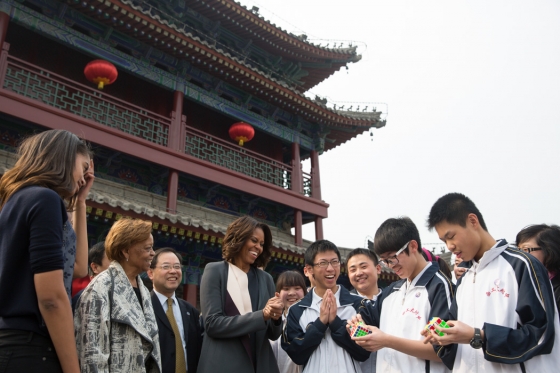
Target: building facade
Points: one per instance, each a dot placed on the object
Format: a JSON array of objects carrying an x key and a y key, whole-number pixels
[{"x": 187, "y": 71}]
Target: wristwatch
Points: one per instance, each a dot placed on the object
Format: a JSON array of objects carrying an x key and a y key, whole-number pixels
[{"x": 476, "y": 341}]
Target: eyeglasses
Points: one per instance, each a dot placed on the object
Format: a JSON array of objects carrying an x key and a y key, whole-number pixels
[
  {"x": 324, "y": 264},
  {"x": 167, "y": 267},
  {"x": 530, "y": 249},
  {"x": 393, "y": 261}
]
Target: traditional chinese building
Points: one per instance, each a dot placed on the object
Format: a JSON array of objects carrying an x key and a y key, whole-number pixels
[{"x": 187, "y": 71}]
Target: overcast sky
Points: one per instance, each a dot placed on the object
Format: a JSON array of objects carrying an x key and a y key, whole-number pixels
[{"x": 473, "y": 94}]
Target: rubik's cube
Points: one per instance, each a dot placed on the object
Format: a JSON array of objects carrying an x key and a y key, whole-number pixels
[
  {"x": 359, "y": 330},
  {"x": 439, "y": 322}
]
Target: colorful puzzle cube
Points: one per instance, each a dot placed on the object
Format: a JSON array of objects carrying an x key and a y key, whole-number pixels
[
  {"x": 439, "y": 322},
  {"x": 359, "y": 330}
]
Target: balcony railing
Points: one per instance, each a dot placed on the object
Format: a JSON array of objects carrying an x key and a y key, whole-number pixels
[
  {"x": 52, "y": 89},
  {"x": 62, "y": 93},
  {"x": 222, "y": 153}
]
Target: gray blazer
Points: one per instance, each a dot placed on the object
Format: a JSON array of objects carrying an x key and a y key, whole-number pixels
[{"x": 223, "y": 349}]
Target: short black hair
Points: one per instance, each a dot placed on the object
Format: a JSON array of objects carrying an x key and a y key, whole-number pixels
[
  {"x": 394, "y": 233},
  {"x": 95, "y": 255},
  {"x": 316, "y": 247},
  {"x": 548, "y": 239},
  {"x": 291, "y": 278},
  {"x": 158, "y": 252},
  {"x": 454, "y": 209},
  {"x": 366, "y": 252}
]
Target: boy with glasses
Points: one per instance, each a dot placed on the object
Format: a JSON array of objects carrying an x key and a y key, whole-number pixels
[
  {"x": 315, "y": 334},
  {"x": 504, "y": 317},
  {"x": 406, "y": 306}
]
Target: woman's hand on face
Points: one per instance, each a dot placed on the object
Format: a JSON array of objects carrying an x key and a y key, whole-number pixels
[{"x": 89, "y": 177}]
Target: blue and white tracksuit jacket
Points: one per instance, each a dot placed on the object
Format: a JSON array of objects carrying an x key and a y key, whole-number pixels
[
  {"x": 507, "y": 294},
  {"x": 318, "y": 347},
  {"x": 403, "y": 310}
]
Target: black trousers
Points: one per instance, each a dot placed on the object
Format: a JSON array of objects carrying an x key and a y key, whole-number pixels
[{"x": 23, "y": 351}]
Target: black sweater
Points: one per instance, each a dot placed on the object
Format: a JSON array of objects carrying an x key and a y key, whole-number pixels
[{"x": 31, "y": 234}]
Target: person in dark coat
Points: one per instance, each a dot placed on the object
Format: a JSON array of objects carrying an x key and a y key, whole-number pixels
[{"x": 240, "y": 310}]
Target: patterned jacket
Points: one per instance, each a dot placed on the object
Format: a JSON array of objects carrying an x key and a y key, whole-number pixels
[{"x": 124, "y": 341}]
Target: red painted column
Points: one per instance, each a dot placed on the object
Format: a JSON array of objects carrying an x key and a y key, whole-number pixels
[
  {"x": 297, "y": 178},
  {"x": 4, "y": 22},
  {"x": 315, "y": 176},
  {"x": 298, "y": 223},
  {"x": 316, "y": 191},
  {"x": 175, "y": 141},
  {"x": 318, "y": 228},
  {"x": 190, "y": 294},
  {"x": 172, "y": 191}
]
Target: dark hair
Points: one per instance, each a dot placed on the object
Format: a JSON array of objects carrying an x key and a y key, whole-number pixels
[
  {"x": 548, "y": 239},
  {"x": 316, "y": 247},
  {"x": 394, "y": 233},
  {"x": 443, "y": 266},
  {"x": 48, "y": 160},
  {"x": 366, "y": 252},
  {"x": 291, "y": 278},
  {"x": 162, "y": 251},
  {"x": 454, "y": 209},
  {"x": 95, "y": 255},
  {"x": 239, "y": 232}
]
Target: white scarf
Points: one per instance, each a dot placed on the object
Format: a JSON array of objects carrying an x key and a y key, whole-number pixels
[{"x": 238, "y": 289}]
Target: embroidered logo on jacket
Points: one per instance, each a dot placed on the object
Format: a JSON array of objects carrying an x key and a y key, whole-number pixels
[
  {"x": 414, "y": 312},
  {"x": 497, "y": 289}
]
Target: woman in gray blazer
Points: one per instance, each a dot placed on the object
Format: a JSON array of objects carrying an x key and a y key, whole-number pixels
[{"x": 239, "y": 307}]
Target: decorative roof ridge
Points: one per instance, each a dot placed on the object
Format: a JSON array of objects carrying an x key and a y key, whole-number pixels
[
  {"x": 105, "y": 197},
  {"x": 301, "y": 38},
  {"x": 167, "y": 23}
]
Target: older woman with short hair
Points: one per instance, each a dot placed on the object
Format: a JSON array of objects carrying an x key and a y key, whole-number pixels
[
  {"x": 116, "y": 329},
  {"x": 239, "y": 307}
]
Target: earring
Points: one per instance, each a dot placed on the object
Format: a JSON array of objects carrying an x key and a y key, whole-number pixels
[{"x": 127, "y": 259}]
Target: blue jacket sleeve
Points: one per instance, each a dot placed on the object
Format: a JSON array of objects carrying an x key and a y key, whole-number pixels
[
  {"x": 299, "y": 344},
  {"x": 371, "y": 310},
  {"x": 342, "y": 338},
  {"x": 441, "y": 294},
  {"x": 535, "y": 308}
]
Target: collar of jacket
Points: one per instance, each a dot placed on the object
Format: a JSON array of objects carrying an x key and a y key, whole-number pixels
[
  {"x": 125, "y": 307},
  {"x": 424, "y": 279},
  {"x": 345, "y": 298},
  {"x": 488, "y": 256}
]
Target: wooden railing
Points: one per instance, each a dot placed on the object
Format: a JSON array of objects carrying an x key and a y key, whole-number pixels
[{"x": 52, "y": 89}]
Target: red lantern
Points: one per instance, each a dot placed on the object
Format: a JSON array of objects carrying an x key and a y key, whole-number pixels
[
  {"x": 241, "y": 132},
  {"x": 101, "y": 72}
]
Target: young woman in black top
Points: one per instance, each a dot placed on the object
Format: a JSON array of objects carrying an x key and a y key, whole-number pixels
[{"x": 38, "y": 250}]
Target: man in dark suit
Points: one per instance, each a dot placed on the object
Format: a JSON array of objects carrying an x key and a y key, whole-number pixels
[{"x": 165, "y": 273}]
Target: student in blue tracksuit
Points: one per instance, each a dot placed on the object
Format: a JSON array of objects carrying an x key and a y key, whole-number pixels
[
  {"x": 315, "y": 334},
  {"x": 503, "y": 318},
  {"x": 407, "y": 305}
]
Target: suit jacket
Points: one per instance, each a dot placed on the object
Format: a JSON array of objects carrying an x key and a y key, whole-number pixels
[
  {"x": 192, "y": 331},
  {"x": 114, "y": 333},
  {"x": 223, "y": 348}
]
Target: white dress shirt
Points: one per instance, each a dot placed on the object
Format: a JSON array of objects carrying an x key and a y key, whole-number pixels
[{"x": 177, "y": 314}]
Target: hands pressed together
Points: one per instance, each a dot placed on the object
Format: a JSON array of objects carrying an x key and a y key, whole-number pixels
[
  {"x": 273, "y": 308},
  {"x": 328, "y": 308}
]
